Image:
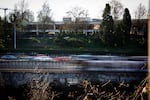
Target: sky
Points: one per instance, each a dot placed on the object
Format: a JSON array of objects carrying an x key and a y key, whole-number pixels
[{"x": 60, "y": 7}]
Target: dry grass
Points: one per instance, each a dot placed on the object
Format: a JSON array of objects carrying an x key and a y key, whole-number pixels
[
  {"x": 41, "y": 89},
  {"x": 96, "y": 92}
]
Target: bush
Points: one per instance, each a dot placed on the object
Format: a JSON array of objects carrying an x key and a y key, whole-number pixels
[
  {"x": 74, "y": 42},
  {"x": 1, "y": 43}
]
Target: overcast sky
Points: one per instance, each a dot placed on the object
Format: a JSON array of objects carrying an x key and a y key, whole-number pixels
[{"x": 60, "y": 7}]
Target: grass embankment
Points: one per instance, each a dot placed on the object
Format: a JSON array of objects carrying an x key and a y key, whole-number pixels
[{"x": 75, "y": 46}]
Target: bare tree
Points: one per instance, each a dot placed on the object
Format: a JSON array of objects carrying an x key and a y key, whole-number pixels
[
  {"x": 139, "y": 24},
  {"x": 116, "y": 9},
  {"x": 140, "y": 12},
  {"x": 23, "y": 12},
  {"x": 21, "y": 7},
  {"x": 29, "y": 15},
  {"x": 45, "y": 16},
  {"x": 80, "y": 18},
  {"x": 77, "y": 12},
  {"x": 24, "y": 15}
]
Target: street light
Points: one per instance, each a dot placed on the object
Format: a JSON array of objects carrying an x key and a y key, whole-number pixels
[
  {"x": 5, "y": 39},
  {"x": 5, "y": 9},
  {"x": 14, "y": 21}
]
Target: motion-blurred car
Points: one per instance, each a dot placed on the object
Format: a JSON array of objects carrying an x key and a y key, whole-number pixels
[
  {"x": 62, "y": 59},
  {"x": 42, "y": 58},
  {"x": 9, "y": 57},
  {"x": 83, "y": 57},
  {"x": 26, "y": 58}
]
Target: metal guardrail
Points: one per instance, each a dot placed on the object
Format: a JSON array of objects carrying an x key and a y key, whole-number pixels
[
  {"x": 22, "y": 72},
  {"x": 51, "y": 66},
  {"x": 32, "y": 64}
]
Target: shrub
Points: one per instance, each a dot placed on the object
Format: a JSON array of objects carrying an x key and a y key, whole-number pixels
[{"x": 74, "y": 42}]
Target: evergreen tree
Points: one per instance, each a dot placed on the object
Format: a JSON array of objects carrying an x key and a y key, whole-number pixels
[
  {"x": 107, "y": 26},
  {"x": 107, "y": 10},
  {"x": 126, "y": 23},
  {"x": 119, "y": 35}
]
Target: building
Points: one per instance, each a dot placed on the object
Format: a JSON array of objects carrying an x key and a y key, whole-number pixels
[{"x": 67, "y": 25}]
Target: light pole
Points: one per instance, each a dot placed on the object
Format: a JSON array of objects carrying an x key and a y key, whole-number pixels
[
  {"x": 5, "y": 9},
  {"x": 5, "y": 27},
  {"x": 15, "y": 31},
  {"x": 14, "y": 21}
]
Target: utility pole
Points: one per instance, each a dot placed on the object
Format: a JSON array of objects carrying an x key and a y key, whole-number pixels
[
  {"x": 5, "y": 9},
  {"x": 5, "y": 27}
]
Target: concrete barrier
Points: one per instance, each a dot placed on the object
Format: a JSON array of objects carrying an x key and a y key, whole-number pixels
[{"x": 21, "y": 72}]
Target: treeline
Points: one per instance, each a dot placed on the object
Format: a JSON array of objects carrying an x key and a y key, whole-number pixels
[
  {"x": 118, "y": 32},
  {"x": 114, "y": 31}
]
